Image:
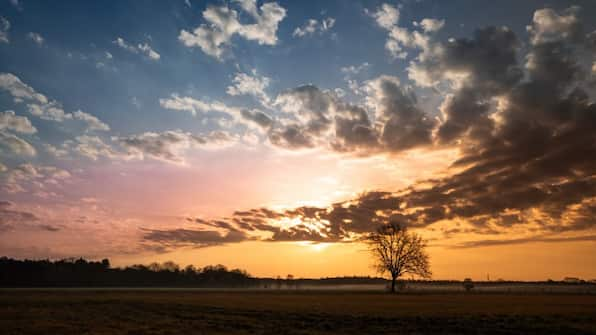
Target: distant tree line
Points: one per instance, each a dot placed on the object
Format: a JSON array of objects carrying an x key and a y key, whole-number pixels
[{"x": 83, "y": 273}]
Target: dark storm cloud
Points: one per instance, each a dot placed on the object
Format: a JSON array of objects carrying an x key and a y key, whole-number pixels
[
  {"x": 404, "y": 125},
  {"x": 538, "y": 155},
  {"x": 528, "y": 161},
  {"x": 291, "y": 137},
  {"x": 322, "y": 118},
  {"x": 196, "y": 238},
  {"x": 354, "y": 130},
  {"x": 312, "y": 110},
  {"x": 310, "y": 105},
  {"x": 488, "y": 64}
]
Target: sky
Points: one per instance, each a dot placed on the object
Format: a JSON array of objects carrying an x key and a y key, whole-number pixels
[{"x": 273, "y": 136}]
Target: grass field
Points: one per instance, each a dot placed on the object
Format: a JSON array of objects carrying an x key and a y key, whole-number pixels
[{"x": 291, "y": 312}]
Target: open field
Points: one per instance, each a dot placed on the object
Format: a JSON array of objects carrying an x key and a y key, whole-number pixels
[{"x": 291, "y": 312}]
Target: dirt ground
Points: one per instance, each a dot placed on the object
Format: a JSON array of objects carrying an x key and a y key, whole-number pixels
[{"x": 291, "y": 312}]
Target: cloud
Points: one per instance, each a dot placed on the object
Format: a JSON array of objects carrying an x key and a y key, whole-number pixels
[
  {"x": 4, "y": 28},
  {"x": 28, "y": 177},
  {"x": 35, "y": 37},
  {"x": 195, "y": 238},
  {"x": 430, "y": 25},
  {"x": 19, "y": 90},
  {"x": 196, "y": 106},
  {"x": 312, "y": 111},
  {"x": 481, "y": 68},
  {"x": 11, "y": 218},
  {"x": 55, "y": 151},
  {"x": 10, "y": 143},
  {"x": 386, "y": 16},
  {"x": 188, "y": 104},
  {"x": 257, "y": 117},
  {"x": 92, "y": 147},
  {"x": 524, "y": 125},
  {"x": 550, "y": 26},
  {"x": 17, "y": 4},
  {"x": 54, "y": 112},
  {"x": 39, "y": 105},
  {"x": 355, "y": 69},
  {"x": 354, "y": 131},
  {"x": 21, "y": 124},
  {"x": 321, "y": 118},
  {"x": 309, "y": 117},
  {"x": 313, "y": 26},
  {"x": 539, "y": 239},
  {"x": 169, "y": 145},
  {"x": 93, "y": 123},
  {"x": 51, "y": 111},
  {"x": 309, "y": 105},
  {"x": 222, "y": 24},
  {"x": 405, "y": 126},
  {"x": 140, "y": 48},
  {"x": 250, "y": 84}
]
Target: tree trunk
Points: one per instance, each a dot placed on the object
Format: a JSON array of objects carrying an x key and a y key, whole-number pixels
[{"x": 393, "y": 278}]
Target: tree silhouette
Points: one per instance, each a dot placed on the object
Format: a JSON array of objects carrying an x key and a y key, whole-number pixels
[
  {"x": 398, "y": 252},
  {"x": 82, "y": 273},
  {"x": 468, "y": 284}
]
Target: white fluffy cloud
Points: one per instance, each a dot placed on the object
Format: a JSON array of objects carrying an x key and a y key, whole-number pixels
[
  {"x": 170, "y": 145},
  {"x": 140, "y": 48},
  {"x": 222, "y": 24},
  {"x": 430, "y": 25},
  {"x": 19, "y": 90},
  {"x": 29, "y": 176},
  {"x": 4, "y": 28},
  {"x": 93, "y": 123},
  {"x": 387, "y": 17},
  {"x": 55, "y": 151},
  {"x": 92, "y": 147},
  {"x": 548, "y": 25},
  {"x": 12, "y": 144},
  {"x": 10, "y": 121},
  {"x": 192, "y": 105},
  {"x": 251, "y": 118},
  {"x": 35, "y": 37},
  {"x": 250, "y": 84},
  {"x": 355, "y": 69},
  {"x": 312, "y": 26},
  {"x": 39, "y": 105},
  {"x": 54, "y": 112}
]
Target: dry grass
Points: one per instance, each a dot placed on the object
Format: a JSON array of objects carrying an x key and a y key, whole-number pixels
[{"x": 192, "y": 312}]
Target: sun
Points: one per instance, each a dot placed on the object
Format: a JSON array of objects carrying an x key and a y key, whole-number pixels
[{"x": 314, "y": 246}]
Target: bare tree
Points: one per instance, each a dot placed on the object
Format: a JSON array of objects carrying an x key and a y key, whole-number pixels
[{"x": 398, "y": 252}]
